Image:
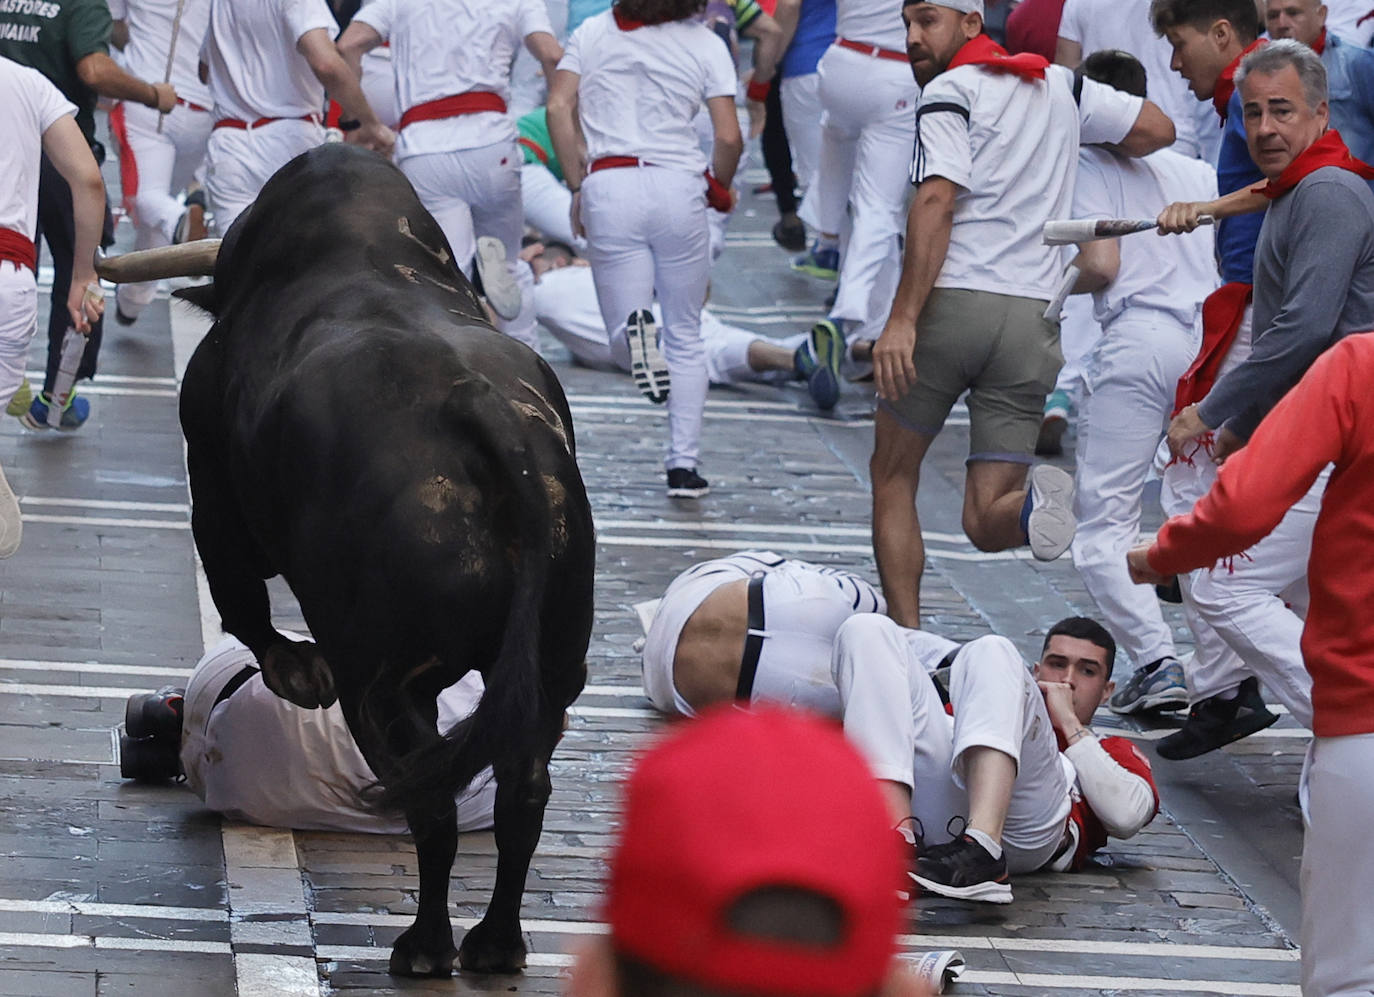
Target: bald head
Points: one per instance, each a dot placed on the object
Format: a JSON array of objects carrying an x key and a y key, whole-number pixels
[{"x": 1301, "y": 20}]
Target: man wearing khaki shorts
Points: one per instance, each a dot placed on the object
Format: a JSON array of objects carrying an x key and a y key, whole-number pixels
[{"x": 996, "y": 153}]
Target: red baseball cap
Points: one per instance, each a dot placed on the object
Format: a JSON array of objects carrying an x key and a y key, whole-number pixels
[{"x": 737, "y": 801}]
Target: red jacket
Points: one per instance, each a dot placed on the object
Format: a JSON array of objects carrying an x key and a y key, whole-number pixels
[{"x": 1328, "y": 418}]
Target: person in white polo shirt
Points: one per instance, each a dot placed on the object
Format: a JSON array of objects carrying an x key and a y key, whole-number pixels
[
  {"x": 457, "y": 145},
  {"x": 36, "y": 120},
  {"x": 647, "y": 183},
  {"x": 1147, "y": 294},
  {"x": 159, "y": 154},
  {"x": 996, "y": 152},
  {"x": 270, "y": 62}
]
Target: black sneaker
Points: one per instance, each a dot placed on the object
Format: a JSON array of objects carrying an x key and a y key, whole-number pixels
[
  {"x": 685, "y": 482},
  {"x": 790, "y": 233},
  {"x": 148, "y": 759},
  {"x": 155, "y": 714},
  {"x": 122, "y": 319},
  {"x": 964, "y": 870},
  {"x": 1215, "y": 722}
]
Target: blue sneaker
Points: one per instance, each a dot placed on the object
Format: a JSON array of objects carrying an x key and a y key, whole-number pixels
[
  {"x": 1156, "y": 686},
  {"x": 818, "y": 361},
  {"x": 818, "y": 262},
  {"x": 74, "y": 413}
]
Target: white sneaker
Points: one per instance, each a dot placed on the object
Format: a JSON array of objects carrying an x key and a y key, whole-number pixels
[
  {"x": 503, "y": 293},
  {"x": 1051, "y": 525},
  {"x": 647, "y": 366},
  {"x": 11, "y": 525}
]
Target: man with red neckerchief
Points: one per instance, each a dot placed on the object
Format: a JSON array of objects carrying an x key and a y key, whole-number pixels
[{"x": 996, "y": 154}]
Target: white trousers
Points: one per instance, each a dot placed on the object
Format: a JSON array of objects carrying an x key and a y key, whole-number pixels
[
  {"x": 1079, "y": 332},
  {"x": 154, "y": 168},
  {"x": 1337, "y": 934},
  {"x": 240, "y": 161},
  {"x": 801, "y": 117},
  {"x": 1129, "y": 381},
  {"x": 646, "y": 234},
  {"x": 546, "y": 204},
  {"x": 476, "y": 192},
  {"x": 910, "y": 739},
  {"x": 867, "y": 134},
  {"x": 18, "y": 322}
]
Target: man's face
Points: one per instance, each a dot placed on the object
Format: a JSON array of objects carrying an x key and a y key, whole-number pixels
[
  {"x": 934, "y": 36},
  {"x": 1300, "y": 19},
  {"x": 1200, "y": 56},
  {"x": 1083, "y": 666},
  {"x": 1278, "y": 123}
]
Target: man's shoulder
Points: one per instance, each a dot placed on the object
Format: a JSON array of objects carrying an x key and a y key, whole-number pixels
[{"x": 1333, "y": 188}]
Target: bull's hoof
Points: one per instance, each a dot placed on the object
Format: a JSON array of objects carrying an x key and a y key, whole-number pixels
[
  {"x": 411, "y": 958},
  {"x": 487, "y": 950},
  {"x": 297, "y": 672}
]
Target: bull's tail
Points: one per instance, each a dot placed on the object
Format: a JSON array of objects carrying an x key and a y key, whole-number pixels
[{"x": 507, "y": 722}]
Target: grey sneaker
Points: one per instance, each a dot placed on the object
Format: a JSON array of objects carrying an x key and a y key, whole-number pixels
[
  {"x": 1051, "y": 526},
  {"x": 11, "y": 524},
  {"x": 1156, "y": 686},
  {"x": 647, "y": 365},
  {"x": 503, "y": 293}
]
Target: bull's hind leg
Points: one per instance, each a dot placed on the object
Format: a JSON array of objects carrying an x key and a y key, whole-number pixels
[
  {"x": 426, "y": 947},
  {"x": 495, "y": 944}
]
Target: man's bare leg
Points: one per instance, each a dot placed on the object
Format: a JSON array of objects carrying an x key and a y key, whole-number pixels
[
  {"x": 989, "y": 775},
  {"x": 895, "y": 469},
  {"x": 994, "y": 493},
  {"x": 765, "y": 356}
]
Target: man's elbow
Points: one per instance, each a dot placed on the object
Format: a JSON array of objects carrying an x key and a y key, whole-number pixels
[
  {"x": 90, "y": 71},
  {"x": 1153, "y": 130}
]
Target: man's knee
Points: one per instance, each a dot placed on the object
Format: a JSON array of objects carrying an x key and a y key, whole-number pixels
[
  {"x": 897, "y": 455},
  {"x": 990, "y": 658},
  {"x": 870, "y": 638}
]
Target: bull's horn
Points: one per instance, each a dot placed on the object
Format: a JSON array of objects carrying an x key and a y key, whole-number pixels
[{"x": 190, "y": 259}]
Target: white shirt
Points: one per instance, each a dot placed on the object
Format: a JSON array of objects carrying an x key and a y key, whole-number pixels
[
  {"x": 255, "y": 70},
  {"x": 1170, "y": 273},
  {"x": 641, "y": 89},
  {"x": 1341, "y": 18},
  {"x": 1013, "y": 158},
  {"x": 874, "y": 22},
  {"x": 150, "y": 40},
  {"x": 29, "y": 105},
  {"x": 445, "y": 47},
  {"x": 1125, "y": 24}
]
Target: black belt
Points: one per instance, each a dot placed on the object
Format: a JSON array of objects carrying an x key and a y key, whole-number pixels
[
  {"x": 234, "y": 684},
  {"x": 753, "y": 640}
]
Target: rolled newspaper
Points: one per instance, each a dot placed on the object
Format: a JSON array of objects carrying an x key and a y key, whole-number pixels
[
  {"x": 73, "y": 349},
  {"x": 937, "y": 969},
  {"x": 1062, "y": 292},
  {"x": 1070, "y": 230}
]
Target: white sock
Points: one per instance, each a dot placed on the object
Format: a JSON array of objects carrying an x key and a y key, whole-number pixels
[{"x": 992, "y": 847}]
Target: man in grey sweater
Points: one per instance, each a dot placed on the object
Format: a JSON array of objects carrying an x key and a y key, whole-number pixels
[{"x": 1314, "y": 283}]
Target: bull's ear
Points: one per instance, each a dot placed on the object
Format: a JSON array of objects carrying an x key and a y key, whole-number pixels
[{"x": 200, "y": 295}]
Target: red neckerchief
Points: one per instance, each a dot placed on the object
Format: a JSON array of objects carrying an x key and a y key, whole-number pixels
[
  {"x": 1226, "y": 82},
  {"x": 983, "y": 51},
  {"x": 1222, "y": 313},
  {"x": 1328, "y": 150},
  {"x": 1319, "y": 46},
  {"x": 626, "y": 23}
]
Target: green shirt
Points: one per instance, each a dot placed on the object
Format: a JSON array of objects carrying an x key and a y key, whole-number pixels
[
  {"x": 52, "y": 36},
  {"x": 534, "y": 134},
  {"x": 746, "y": 13}
]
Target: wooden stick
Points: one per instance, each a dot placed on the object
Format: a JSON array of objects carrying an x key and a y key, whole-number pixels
[{"x": 171, "y": 55}]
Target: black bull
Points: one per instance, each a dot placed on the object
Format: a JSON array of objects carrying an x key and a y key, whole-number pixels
[{"x": 354, "y": 425}]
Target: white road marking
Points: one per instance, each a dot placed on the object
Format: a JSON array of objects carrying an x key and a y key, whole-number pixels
[
  {"x": 93, "y": 909},
  {"x": 755, "y": 543},
  {"x": 783, "y": 529},
  {"x": 94, "y": 667},
  {"x": 582, "y": 411},
  {"x": 81, "y": 503},
  {"x": 107, "y": 523}
]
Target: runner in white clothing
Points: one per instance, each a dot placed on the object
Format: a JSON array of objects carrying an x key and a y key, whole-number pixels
[
  {"x": 452, "y": 62},
  {"x": 620, "y": 116},
  {"x": 160, "y": 154},
  {"x": 36, "y": 119},
  {"x": 270, "y": 62}
]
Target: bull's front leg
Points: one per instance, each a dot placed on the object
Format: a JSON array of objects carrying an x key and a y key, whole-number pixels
[
  {"x": 426, "y": 947},
  {"x": 495, "y": 944}
]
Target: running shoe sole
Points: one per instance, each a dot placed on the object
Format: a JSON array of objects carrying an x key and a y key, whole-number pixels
[
  {"x": 1180, "y": 745},
  {"x": 689, "y": 492},
  {"x": 812, "y": 270},
  {"x": 827, "y": 348},
  {"x": 1051, "y": 526},
  {"x": 11, "y": 523},
  {"x": 503, "y": 293},
  {"x": 990, "y": 892},
  {"x": 647, "y": 366},
  {"x": 1173, "y": 698}
]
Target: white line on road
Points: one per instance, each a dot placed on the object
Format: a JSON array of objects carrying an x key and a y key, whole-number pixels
[
  {"x": 82, "y": 503},
  {"x": 108, "y": 523}
]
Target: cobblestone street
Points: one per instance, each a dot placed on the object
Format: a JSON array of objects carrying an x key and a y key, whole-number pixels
[{"x": 114, "y": 888}]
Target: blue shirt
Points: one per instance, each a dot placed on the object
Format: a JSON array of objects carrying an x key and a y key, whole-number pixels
[
  {"x": 580, "y": 10},
  {"x": 815, "y": 33},
  {"x": 1350, "y": 81},
  {"x": 1236, "y": 237}
]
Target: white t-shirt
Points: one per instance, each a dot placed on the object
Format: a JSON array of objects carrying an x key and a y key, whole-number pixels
[
  {"x": 255, "y": 70},
  {"x": 29, "y": 105},
  {"x": 150, "y": 40},
  {"x": 1011, "y": 146},
  {"x": 1173, "y": 273},
  {"x": 640, "y": 89},
  {"x": 1342, "y": 17},
  {"x": 445, "y": 47},
  {"x": 1125, "y": 24},
  {"x": 873, "y": 22},
  {"x": 258, "y": 758}
]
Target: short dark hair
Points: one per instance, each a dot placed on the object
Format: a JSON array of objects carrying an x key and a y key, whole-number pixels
[
  {"x": 1242, "y": 15},
  {"x": 1083, "y": 628},
  {"x": 659, "y": 11},
  {"x": 1119, "y": 70},
  {"x": 559, "y": 248}
]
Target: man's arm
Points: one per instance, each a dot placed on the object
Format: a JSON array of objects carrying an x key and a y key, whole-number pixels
[
  {"x": 119, "y": 33},
  {"x": 1182, "y": 216},
  {"x": 930, "y": 219},
  {"x": 329, "y": 67},
  {"x": 565, "y": 132},
  {"x": 66, "y": 147},
  {"x": 1124, "y": 801},
  {"x": 769, "y": 44},
  {"x": 728, "y": 143},
  {"x": 357, "y": 40},
  {"x": 1153, "y": 130},
  {"x": 1067, "y": 53},
  {"x": 1098, "y": 263},
  {"x": 545, "y": 48},
  {"x": 103, "y": 75}
]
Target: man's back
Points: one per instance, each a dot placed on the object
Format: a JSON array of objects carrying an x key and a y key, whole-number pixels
[
  {"x": 255, "y": 70},
  {"x": 158, "y": 28}
]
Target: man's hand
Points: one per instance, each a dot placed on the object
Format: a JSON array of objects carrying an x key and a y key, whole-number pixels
[
  {"x": 1059, "y": 703},
  {"x": 164, "y": 97},
  {"x": 1138, "y": 565},
  {"x": 1185, "y": 427},
  {"x": 1182, "y": 216},
  {"x": 85, "y": 302},
  {"x": 894, "y": 369},
  {"x": 1225, "y": 444},
  {"x": 758, "y": 117},
  {"x": 575, "y": 215},
  {"x": 378, "y": 138}
]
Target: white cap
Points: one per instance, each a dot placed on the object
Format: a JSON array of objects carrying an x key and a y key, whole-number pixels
[{"x": 964, "y": 6}]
